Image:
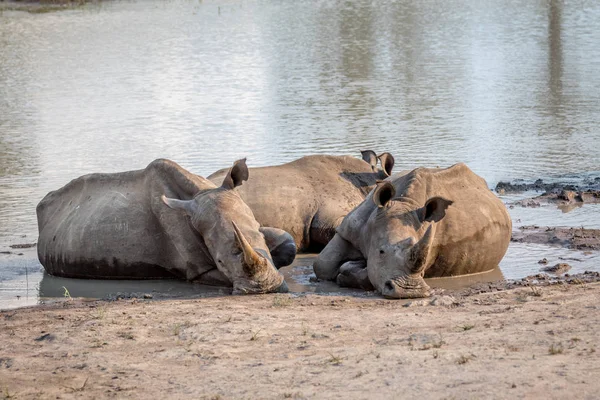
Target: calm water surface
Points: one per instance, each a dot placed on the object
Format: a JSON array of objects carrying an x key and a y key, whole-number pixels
[{"x": 510, "y": 88}]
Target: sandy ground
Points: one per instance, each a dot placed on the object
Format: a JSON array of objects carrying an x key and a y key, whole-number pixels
[{"x": 527, "y": 342}]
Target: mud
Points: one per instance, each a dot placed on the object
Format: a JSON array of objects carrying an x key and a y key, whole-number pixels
[
  {"x": 591, "y": 184},
  {"x": 572, "y": 238},
  {"x": 559, "y": 268},
  {"x": 42, "y": 6},
  {"x": 564, "y": 195},
  {"x": 22, "y": 245},
  {"x": 521, "y": 343},
  {"x": 533, "y": 281}
]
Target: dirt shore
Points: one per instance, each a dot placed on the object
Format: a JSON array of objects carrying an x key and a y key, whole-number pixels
[
  {"x": 42, "y": 6},
  {"x": 568, "y": 237},
  {"x": 538, "y": 342}
]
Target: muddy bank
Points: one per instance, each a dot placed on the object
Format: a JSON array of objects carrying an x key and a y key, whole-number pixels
[
  {"x": 518, "y": 185},
  {"x": 42, "y": 6},
  {"x": 566, "y": 200},
  {"x": 516, "y": 343},
  {"x": 565, "y": 196},
  {"x": 572, "y": 238}
]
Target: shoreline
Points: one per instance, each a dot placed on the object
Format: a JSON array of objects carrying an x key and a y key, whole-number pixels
[
  {"x": 42, "y": 6},
  {"x": 520, "y": 342}
]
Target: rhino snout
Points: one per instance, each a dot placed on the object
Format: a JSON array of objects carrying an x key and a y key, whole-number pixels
[
  {"x": 406, "y": 287},
  {"x": 283, "y": 288}
]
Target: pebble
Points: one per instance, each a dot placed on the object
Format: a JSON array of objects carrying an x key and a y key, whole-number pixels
[{"x": 558, "y": 268}]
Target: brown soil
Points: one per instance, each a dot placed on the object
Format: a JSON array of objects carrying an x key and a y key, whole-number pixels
[
  {"x": 532, "y": 342},
  {"x": 573, "y": 238}
]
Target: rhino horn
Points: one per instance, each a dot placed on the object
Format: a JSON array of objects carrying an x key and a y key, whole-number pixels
[
  {"x": 420, "y": 252},
  {"x": 252, "y": 260}
]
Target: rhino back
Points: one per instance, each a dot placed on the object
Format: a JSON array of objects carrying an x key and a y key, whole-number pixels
[
  {"x": 312, "y": 191},
  {"x": 114, "y": 226},
  {"x": 475, "y": 233}
]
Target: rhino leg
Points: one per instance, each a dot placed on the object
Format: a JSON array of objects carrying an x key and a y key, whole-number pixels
[
  {"x": 338, "y": 250},
  {"x": 213, "y": 277},
  {"x": 324, "y": 224},
  {"x": 354, "y": 274},
  {"x": 281, "y": 246}
]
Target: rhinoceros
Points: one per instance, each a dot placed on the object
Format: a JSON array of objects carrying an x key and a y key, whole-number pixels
[
  {"x": 161, "y": 221},
  {"x": 424, "y": 223},
  {"x": 309, "y": 197}
]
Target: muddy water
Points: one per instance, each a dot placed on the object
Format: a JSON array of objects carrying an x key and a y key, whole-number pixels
[{"x": 512, "y": 89}]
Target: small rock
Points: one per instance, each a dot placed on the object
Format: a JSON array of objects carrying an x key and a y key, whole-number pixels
[
  {"x": 417, "y": 303},
  {"x": 6, "y": 362},
  {"x": 558, "y": 268},
  {"x": 148, "y": 296},
  {"x": 543, "y": 261},
  {"x": 446, "y": 301},
  {"x": 47, "y": 336},
  {"x": 567, "y": 195},
  {"x": 22, "y": 245}
]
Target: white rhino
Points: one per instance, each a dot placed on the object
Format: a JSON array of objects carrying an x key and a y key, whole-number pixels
[
  {"x": 118, "y": 226},
  {"x": 425, "y": 223},
  {"x": 309, "y": 197}
]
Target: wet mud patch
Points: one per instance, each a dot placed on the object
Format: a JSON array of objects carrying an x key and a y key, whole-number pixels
[
  {"x": 531, "y": 281},
  {"x": 572, "y": 238},
  {"x": 565, "y": 195},
  {"x": 574, "y": 184}
]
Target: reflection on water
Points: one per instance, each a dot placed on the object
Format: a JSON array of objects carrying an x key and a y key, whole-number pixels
[{"x": 511, "y": 89}]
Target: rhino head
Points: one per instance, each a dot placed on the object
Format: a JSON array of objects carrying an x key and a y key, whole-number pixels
[
  {"x": 399, "y": 241},
  {"x": 386, "y": 243},
  {"x": 232, "y": 235}
]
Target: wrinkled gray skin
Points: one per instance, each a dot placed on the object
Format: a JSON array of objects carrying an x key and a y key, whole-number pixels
[
  {"x": 309, "y": 197},
  {"x": 162, "y": 221},
  {"x": 425, "y": 223}
]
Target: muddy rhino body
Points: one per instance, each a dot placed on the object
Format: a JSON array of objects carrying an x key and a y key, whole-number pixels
[
  {"x": 119, "y": 226},
  {"x": 309, "y": 197},
  {"x": 425, "y": 223}
]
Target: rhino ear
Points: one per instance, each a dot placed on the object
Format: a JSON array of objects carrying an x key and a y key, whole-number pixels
[
  {"x": 383, "y": 194},
  {"x": 369, "y": 157},
  {"x": 236, "y": 175},
  {"x": 189, "y": 206},
  {"x": 387, "y": 162},
  {"x": 434, "y": 209}
]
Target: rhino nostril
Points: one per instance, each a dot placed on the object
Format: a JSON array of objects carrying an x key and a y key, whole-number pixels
[{"x": 389, "y": 286}]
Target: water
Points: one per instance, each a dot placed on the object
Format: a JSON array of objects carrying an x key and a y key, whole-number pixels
[{"x": 510, "y": 88}]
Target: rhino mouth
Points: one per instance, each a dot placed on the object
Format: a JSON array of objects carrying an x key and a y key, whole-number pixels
[
  {"x": 253, "y": 287},
  {"x": 406, "y": 287}
]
